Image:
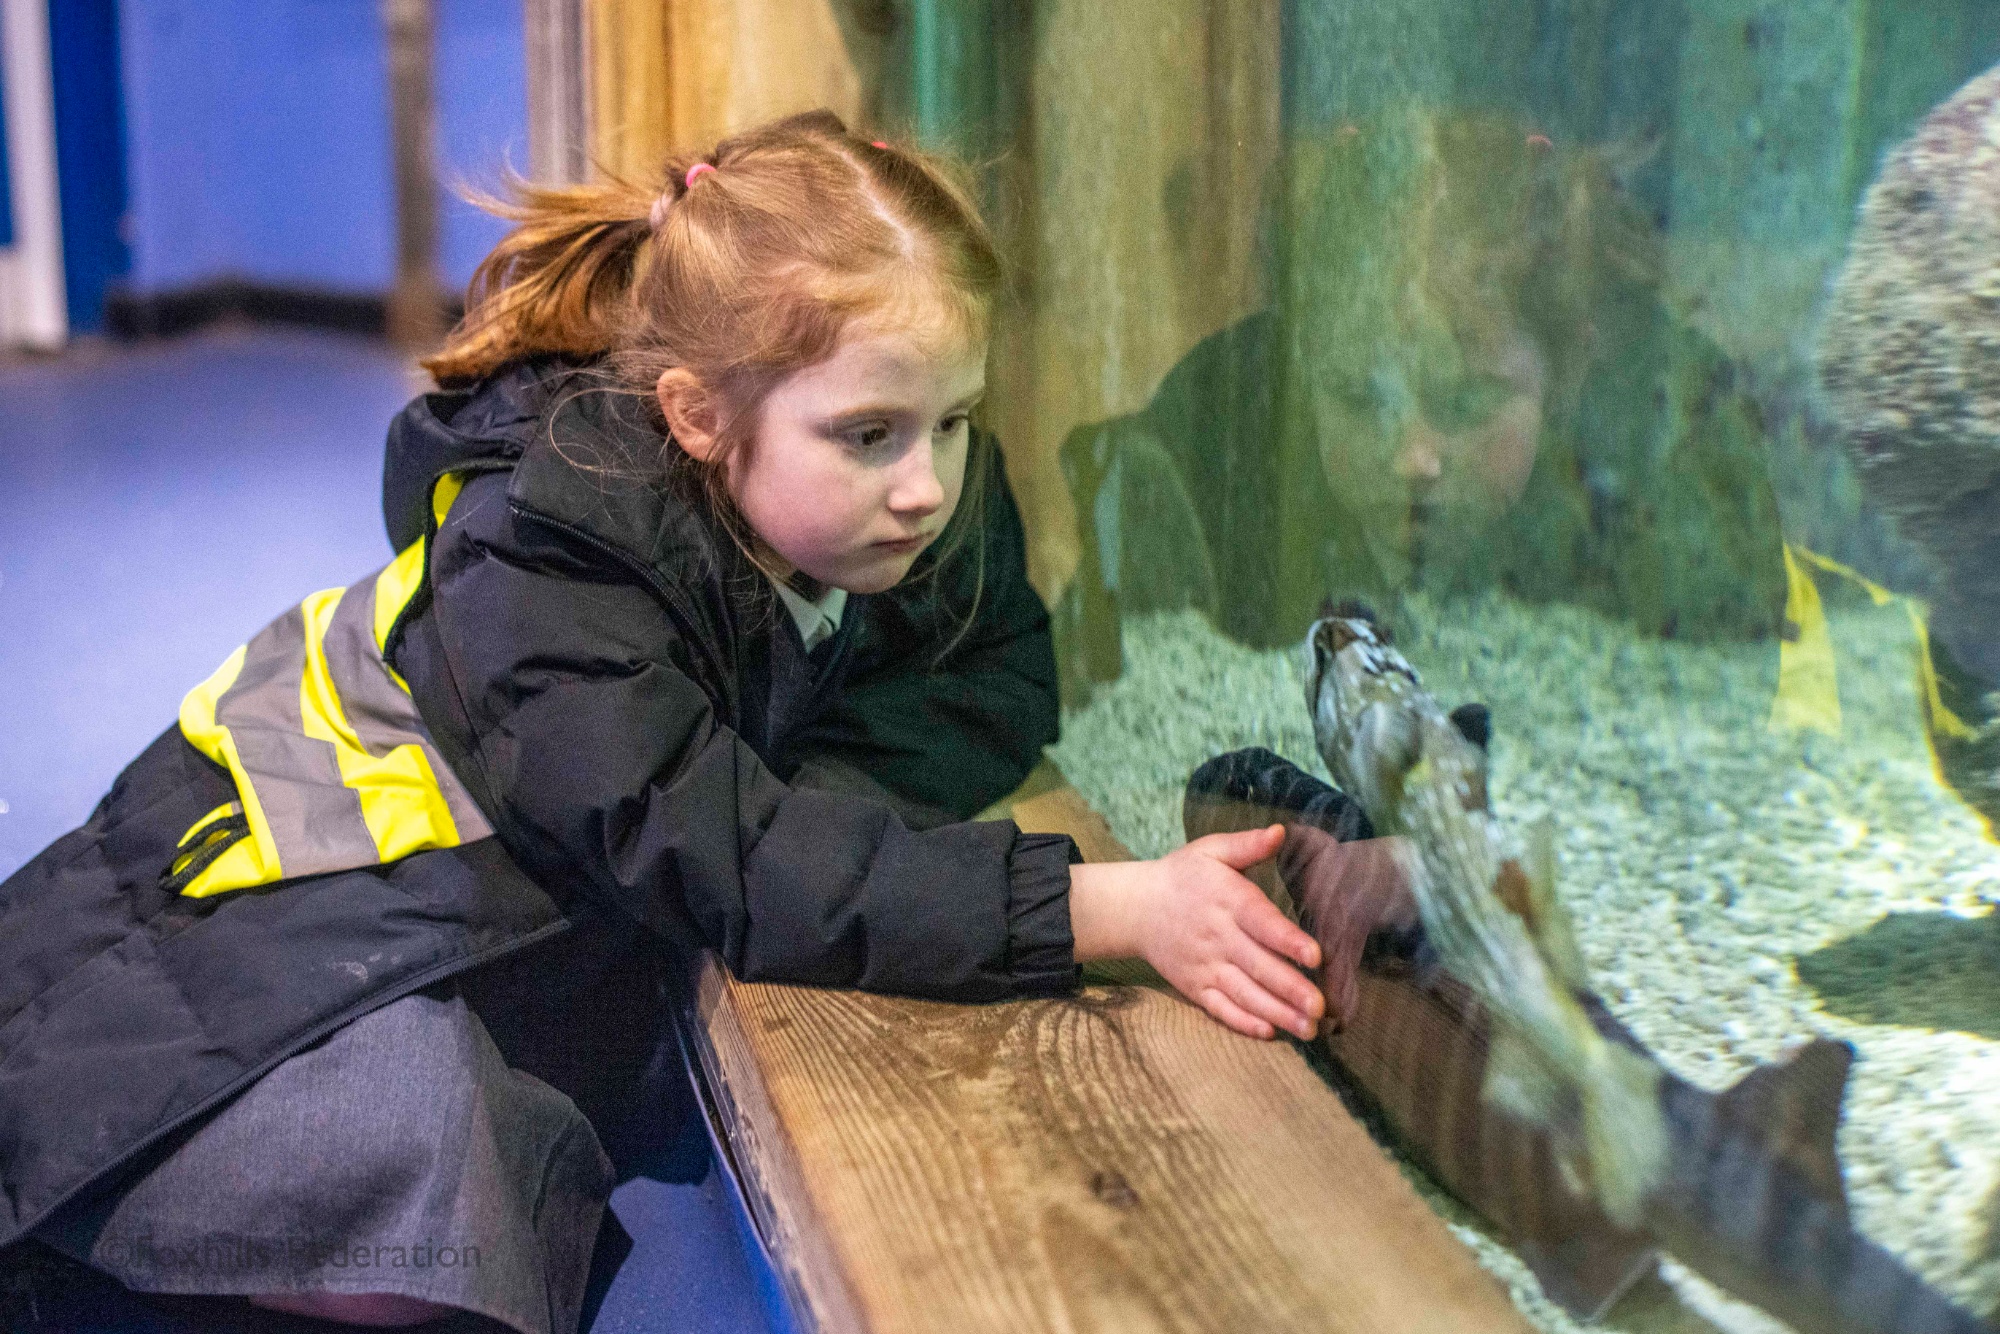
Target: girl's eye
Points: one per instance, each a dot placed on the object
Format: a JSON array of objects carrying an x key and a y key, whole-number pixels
[
  {"x": 869, "y": 438},
  {"x": 951, "y": 425}
]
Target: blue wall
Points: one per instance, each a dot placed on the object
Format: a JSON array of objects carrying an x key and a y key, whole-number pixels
[
  {"x": 482, "y": 96},
  {"x": 258, "y": 137},
  {"x": 90, "y": 153}
]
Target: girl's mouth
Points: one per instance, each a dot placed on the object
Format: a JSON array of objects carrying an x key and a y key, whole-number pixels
[{"x": 904, "y": 546}]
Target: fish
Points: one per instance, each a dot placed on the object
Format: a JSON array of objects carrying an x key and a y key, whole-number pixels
[{"x": 1460, "y": 1010}]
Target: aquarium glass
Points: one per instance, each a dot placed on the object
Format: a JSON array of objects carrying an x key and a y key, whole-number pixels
[{"x": 1549, "y": 330}]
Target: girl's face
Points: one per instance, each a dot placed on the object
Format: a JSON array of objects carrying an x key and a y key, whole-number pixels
[{"x": 858, "y": 461}]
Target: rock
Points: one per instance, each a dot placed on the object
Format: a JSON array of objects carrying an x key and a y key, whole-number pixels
[{"x": 1910, "y": 357}]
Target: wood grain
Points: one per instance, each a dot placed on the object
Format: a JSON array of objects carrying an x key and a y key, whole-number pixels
[
  {"x": 1112, "y": 1161},
  {"x": 680, "y": 74},
  {"x": 1145, "y": 170}
]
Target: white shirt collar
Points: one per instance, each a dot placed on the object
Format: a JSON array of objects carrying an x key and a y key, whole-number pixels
[{"x": 816, "y": 620}]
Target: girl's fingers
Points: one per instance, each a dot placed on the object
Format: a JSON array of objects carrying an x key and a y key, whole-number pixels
[
  {"x": 1246, "y": 848},
  {"x": 1232, "y": 1014},
  {"x": 1263, "y": 923},
  {"x": 1248, "y": 995},
  {"x": 1286, "y": 983}
]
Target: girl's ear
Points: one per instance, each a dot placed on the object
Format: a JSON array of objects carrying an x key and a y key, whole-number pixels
[{"x": 690, "y": 412}]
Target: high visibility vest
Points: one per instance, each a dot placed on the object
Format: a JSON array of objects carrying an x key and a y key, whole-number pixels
[{"x": 332, "y": 766}]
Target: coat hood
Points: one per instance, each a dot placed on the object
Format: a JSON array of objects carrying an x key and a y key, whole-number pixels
[
  {"x": 582, "y": 450},
  {"x": 493, "y": 420}
]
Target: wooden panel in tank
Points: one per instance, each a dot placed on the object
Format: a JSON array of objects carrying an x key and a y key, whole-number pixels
[
  {"x": 671, "y": 74},
  {"x": 1141, "y": 174}
]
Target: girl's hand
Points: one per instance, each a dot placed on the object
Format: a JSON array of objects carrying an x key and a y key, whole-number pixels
[{"x": 1206, "y": 929}]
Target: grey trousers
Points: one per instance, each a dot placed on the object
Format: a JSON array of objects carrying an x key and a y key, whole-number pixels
[{"x": 401, "y": 1154}]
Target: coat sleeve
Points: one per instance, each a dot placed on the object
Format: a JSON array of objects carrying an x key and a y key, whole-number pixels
[
  {"x": 954, "y": 693},
  {"x": 604, "y": 766}
]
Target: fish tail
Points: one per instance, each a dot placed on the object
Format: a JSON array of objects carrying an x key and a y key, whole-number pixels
[{"x": 1749, "y": 1220}]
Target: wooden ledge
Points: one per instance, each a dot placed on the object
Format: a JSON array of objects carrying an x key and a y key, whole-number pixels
[{"x": 1112, "y": 1161}]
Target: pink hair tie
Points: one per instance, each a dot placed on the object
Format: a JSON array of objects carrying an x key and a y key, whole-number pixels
[
  {"x": 879, "y": 144},
  {"x": 694, "y": 173}
]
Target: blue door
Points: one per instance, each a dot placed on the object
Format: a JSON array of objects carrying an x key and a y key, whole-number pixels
[{"x": 90, "y": 153}]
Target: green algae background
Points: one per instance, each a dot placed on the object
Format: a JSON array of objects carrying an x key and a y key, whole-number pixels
[
  {"x": 1501, "y": 293},
  {"x": 1503, "y": 316}
]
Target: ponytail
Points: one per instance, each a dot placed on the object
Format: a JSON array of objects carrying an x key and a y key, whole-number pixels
[
  {"x": 558, "y": 282},
  {"x": 795, "y": 227}
]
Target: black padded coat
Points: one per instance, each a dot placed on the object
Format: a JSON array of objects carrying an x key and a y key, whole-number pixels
[{"x": 665, "y": 767}]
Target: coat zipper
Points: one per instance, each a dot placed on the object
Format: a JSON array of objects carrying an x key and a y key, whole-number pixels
[{"x": 340, "y": 1020}]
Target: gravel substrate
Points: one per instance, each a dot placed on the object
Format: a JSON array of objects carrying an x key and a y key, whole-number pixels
[{"x": 1736, "y": 890}]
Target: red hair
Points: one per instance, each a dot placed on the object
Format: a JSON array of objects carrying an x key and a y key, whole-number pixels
[{"x": 741, "y": 275}]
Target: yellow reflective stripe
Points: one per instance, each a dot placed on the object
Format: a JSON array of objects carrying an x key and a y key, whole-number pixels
[
  {"x": 1808, "y": 687},
  {"x": 227, "y": 808},
  {"x": 381, "y": 769},
  {"x": 1808, "y": 693},
  {"x": 198, "y": 723},
  {"x": 401, "y": 802},
  {"x": 394, "y": 587},
  {"x": 403, "y": 576},
  {"x": 255, "y": 860},
  {"x": 448, "y": 487},
  {"x": 239, "y": 868},
  {"x": 198, "y": 837}
]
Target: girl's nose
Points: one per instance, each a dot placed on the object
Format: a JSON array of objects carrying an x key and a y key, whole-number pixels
[
  {"x": 1420, "y": 459},
  {"x": 916, "y": 490}
]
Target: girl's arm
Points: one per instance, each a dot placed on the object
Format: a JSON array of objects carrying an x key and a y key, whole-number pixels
[
  {"x": 1206, "y": 929},
  {"x": 565, "y": 694}
]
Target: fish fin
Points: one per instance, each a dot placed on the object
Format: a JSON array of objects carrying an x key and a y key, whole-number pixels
[
  {"x": 1624, "y": 1129},
  {"x": 1548, "y": 920},
  {"x": 1794, "y": 1105},
  {"x": 1586, "y": 1272},
  {"x": 1511, "y": 887},
  {"x": 1474, "y": 722},
  {"x": 1519, "y": 1081}
]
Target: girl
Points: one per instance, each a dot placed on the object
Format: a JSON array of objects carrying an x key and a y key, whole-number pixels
[{"x": 712, "y": 612}]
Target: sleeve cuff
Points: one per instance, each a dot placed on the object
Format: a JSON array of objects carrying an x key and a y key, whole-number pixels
[{"x": 1041, "y": 951}]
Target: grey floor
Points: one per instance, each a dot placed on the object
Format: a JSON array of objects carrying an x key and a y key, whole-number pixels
[{"x": 158, "y": 504}]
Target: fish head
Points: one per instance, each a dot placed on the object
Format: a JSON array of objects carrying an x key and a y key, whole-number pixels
[{"x": 1363, "y": 696}]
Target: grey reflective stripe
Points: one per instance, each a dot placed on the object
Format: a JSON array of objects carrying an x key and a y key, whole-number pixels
[
  {"x": 382, "y": 713},
  {"x": 315, "y": 819}
]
